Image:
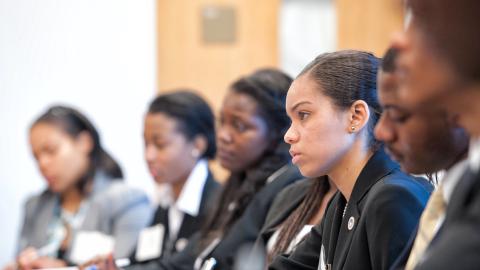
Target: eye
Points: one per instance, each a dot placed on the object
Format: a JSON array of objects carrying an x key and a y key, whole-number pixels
[
  {"x": 239, "y": 126},
  {"x": 398, "y": 116},
  {"x": 159, "y": 144},
  {"x": 50, "y": 149},
  {"x": 303, "y": 115}
]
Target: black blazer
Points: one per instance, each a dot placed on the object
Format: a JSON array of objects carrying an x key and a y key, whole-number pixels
[
  {"x": 384, "y": 208},
  {"x": 457, "y": 244},
  {"x": 243, "y": 232},
  {"x": 190, "y": 224},
  {"x": 282, "y": 207}
]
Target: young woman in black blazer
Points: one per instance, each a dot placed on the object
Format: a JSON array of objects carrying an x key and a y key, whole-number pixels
[
  {"x": 333, "y": 108},
  {"x": 179, "y": 135}
]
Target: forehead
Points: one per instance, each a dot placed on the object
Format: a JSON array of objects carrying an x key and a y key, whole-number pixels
[
  {"x": 159, "y": 122},
  {"x": 47, "y": 130},
  {"x": 239, "y": 103},
  {"x": 43, "y": 134},
  {"x": 304, "y": 88},
  {"x": 387, "y": 86}
]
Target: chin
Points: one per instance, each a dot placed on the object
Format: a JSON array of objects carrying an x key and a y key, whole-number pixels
[
  {"x": 408, "y": 168},
  {"x": 308, "y": 172},
  {"x": 55, "y": 189}
]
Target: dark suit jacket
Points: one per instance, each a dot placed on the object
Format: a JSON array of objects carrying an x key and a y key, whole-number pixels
[
  {"x": 190, "y": 224},
  {"x": 457, "y": 244},
  {"x": 383, "y": 209},
  {"x": 284, "y": 204},
  {"x": 244, "y": 231}
]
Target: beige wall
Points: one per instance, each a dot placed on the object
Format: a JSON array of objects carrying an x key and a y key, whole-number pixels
[
  {"x": 185, "y": 60},
  {"x": 368, "y": 24}
]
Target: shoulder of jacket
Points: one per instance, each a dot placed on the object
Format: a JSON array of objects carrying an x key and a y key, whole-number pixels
[{"x": 118, "y": 195}]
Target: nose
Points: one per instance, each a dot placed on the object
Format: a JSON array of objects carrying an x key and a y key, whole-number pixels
[
  {"x": 224, "y": 135},
  {"x": 43, "y": 162},
  {"x": 291, "y": 136},
  {"x": 383, "y": 131},
  {"x": 150, "y": 152},
  {"x": 399, "y": 41}
]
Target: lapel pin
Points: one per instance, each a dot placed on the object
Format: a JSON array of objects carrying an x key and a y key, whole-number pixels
[{"x": 351, "y": 223}]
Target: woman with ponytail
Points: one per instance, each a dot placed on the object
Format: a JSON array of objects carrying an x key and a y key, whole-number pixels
[{"x": 84, "y": 194}]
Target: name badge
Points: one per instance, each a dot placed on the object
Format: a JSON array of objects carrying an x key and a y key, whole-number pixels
[
  {"x": 88, "y": 244},
  {"x": 150, "y": 243}
]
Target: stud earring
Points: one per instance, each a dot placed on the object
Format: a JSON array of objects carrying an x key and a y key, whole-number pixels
[
  {"x": 195, "y": 153},
  {"x": 353, "y": 128}
]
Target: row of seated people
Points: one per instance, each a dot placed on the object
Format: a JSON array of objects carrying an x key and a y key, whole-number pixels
[{"x": 356, "y": 209}]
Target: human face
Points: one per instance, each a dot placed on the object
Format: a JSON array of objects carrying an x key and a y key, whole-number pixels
[
  {"x": 422, "y": 142},
  {"x": 318, "y": 135},
  {"x": 62, "y": 159},
  {"x": 242, "y": 135},
  {"x": 170, "y": 156}
]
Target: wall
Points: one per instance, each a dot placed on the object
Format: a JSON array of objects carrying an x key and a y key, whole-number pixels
[
  {"x": 307, "y": 28},
  {"x": 185, "y": 60},
  {"x": 98, "y": 55},
  {"x": 368, "y": 24}
]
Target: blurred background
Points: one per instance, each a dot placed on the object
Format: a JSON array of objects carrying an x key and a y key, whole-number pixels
[{"x": 108, "y": 58}]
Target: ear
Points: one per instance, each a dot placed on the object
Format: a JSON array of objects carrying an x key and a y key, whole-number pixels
[
  {"x": 84, "y": 142},
  {"x": 359, "y": 115},
  {"x": 199, "y": 146}
]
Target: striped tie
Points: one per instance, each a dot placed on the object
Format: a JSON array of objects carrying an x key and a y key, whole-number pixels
[{"x": 428, "y": 222}]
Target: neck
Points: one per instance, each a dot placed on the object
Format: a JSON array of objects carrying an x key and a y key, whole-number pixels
[
  {"x": 71, "y": 199},
  {"x": 178, "y": 186},
  {"x": 344, "y": 175}
]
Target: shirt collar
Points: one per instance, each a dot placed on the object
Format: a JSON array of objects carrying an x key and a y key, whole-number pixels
[
  {"x": 474, "y": 154},
  {"x": 190, "y": 196},
  {"x": 451, "y": 177}
]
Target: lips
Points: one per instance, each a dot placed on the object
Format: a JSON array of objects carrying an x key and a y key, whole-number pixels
[
  {"x": 224, "y": 156},
  {"x": 153, "y": 171},
  {"x": 295, "y": 156},
  {"x": 50, "y": 180}
]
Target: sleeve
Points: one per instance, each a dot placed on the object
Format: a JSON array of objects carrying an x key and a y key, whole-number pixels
[
  {"x": 23, "y": 240},
  {"x": 306, "y": 255},
  {"x": 129, "y": 221},
  {"x": 392, "y": 217}
]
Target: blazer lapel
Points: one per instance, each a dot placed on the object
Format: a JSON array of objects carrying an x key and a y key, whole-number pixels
[
  {"x": 376, "y": 168},
  {"x": 44, "y": 214},
  {"x": 282, "y": 215},
  {"x": 333, "y": 229}
]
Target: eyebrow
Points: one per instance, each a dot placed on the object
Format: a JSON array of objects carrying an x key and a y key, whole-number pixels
[{"x": 300, "y": 103}]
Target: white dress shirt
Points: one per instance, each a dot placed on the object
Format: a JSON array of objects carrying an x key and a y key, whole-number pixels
[{"x": 189, "y": 200}]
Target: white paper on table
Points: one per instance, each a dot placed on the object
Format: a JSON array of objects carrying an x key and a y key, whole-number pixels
[{"x": 88, "y": 244}]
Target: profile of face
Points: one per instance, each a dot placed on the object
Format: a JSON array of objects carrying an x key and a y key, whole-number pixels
[
  {"x": 169, "y": 154},
  {"x": 425, "y": 141},
  {"x": 424, "y": 76},
  {"x": 61, "y": 158},
  {"x": 242, "y": 134},
  {"x": 319, "y": 132}
]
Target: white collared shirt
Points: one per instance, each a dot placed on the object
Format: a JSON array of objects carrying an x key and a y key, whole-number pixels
[
  {"x": 188, "y": 201},
  {"x": 474, "y": 154}
]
